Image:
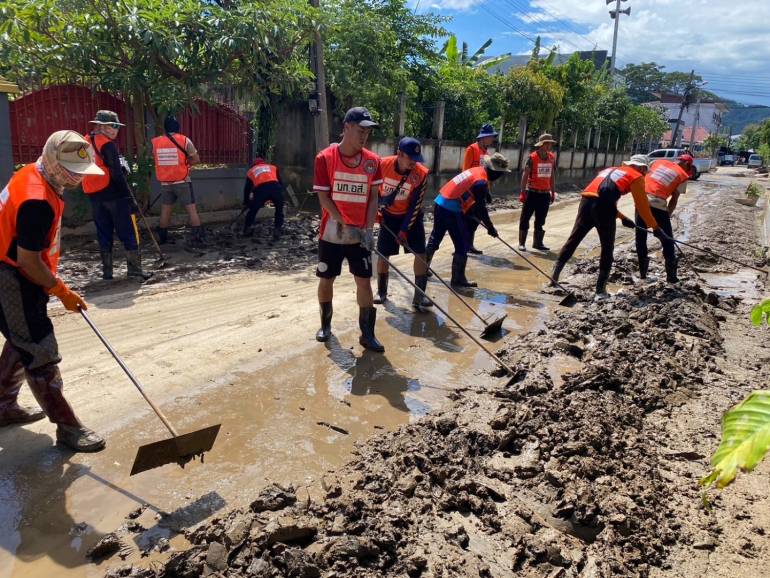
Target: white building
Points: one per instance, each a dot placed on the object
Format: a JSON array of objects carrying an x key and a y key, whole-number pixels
[{"x": 709, "y": 115}]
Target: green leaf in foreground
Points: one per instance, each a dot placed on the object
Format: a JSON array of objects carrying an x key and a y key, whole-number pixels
[
  {"x": 745, "y": 439},
  {"x": 761, "y": 311}
]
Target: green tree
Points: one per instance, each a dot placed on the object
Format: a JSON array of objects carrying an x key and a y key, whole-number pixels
[
  {"x": 529, "y": 92},
  {"x": 714, "y": 142}
]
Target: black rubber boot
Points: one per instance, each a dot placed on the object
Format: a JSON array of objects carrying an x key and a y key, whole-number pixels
[
  {"x": 523, "y": 239},
  {"x": 163, "y": 238},
  {"x": 106, "y": 264},
  {"x": 538, "y": 241},
  {"x": 197, "y": 237},
  {"x": 474, "y": 251},
  {"x": 601, "y": 283},
  {"x": 382, "y": 289},
  {"x": 671, "y": 272},
  {"x": 458, "y": 272},
  {"x": 277, "y": 233},
  {"x": 557, "y": 267},
  {"x": 134, "y": 267},
  {"x": 644, "y": 266},
  {"x": 325, "y": 332},
  {"x": 367, "y": 316},
  {"x": 420, "y": 301},
  {"x": 428, "y": 258},
  {"x": 11, "y": 379}
]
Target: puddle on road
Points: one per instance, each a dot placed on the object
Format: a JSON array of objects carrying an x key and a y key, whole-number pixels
[
  {"x": 281, "y": 424},
  {"x": 742, "y": 283}
]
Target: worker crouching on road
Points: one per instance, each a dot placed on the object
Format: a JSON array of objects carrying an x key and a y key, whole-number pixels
[
  {"x": 347, "y": 180},
  {"x": 664, "y": 182},
  {"x": 111, "y": 202},
  {"x": 262, "y": 184},
  {"x": 31, "y": 208},
  {"x": 455, "y": 200},
  {"x": 598, "y": 209},
  {"x": 174, "y": 154},
  {"x": 537, "y": 191},
  {"x": 473, "y": 155},
  {"x": 401, "y": 196}
]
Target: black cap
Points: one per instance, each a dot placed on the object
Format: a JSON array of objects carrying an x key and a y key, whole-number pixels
[
  {"x": 412, "y": 148},
  {"x": 171, "y": 124},
  {"x": 360, "y": 116}
]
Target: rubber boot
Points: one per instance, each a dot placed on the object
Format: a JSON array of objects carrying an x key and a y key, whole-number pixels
[
  {"x": 557, "y": 267},
  {"x": 458, "y": 272},
  {"x": 428, "y": 258},
  {"x": 538, "y": 241},
  {"x": 671, "y": 272},
  {"x": 601, "y": 283},
  {"x": 163, "y": 238},
  {"x": 644, "y": 266},
  {"x": 277, "y": 233},
  {"x": 196, "y": 238},
  {"x": 420, "y": 301},
  {"x": 134, "y": 267},
  {"x": 106, "y": 264},
  {"x": 523, "y": 239},
  {"x": 325, "y": 332},
  {"x": 382, "y": 288},
  {"x": 46, "y": 385},
  {"x": 11, "y": 378},
  {"x": 474, "y": 251},
  {"x": 367, "y": 316}
]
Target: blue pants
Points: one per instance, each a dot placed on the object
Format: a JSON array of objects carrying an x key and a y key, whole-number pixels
[
  {"x": 445, "y": 221},
  {"x": 115, "y": 215}
]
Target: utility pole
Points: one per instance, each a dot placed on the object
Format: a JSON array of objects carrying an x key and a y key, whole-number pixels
[
  {"x": 317, "y": 105},
  {"x": 615, "y": 15},
  {"x": 685, "y": 103},
  {"x": 695, "y": 123}
]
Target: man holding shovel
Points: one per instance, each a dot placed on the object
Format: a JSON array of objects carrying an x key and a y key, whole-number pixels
[
  {"x": 31, "y": 208},
  {"x": 347, "y": 180},
  {"x": 401, "y": 197}
]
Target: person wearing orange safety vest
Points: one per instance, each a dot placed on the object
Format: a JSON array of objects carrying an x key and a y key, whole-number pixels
[
  {"x": 347, "y": 179},
  {"x": 472, "y": 158},
  {"x": 174, "y": 154},
  {"x": 455, "y": 200},
  {"x": 263, "y": 184},
  {"x": 598, "y": 209},
  {"x": 404, "y": 182},
  {"x": 31, "y": 208},
  {"x": 537, "y": 191},
  {"x": 111, "y": 200},
  {"x": 664, "y": 182}
]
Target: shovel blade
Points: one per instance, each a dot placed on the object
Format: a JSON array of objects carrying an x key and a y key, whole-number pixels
[
  {"x": 569, "y": 301},
  {"x": 494, "y": 327},
  {"x": 178, "y": 450}
]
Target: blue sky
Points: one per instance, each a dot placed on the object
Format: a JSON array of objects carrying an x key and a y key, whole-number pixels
[{"x": 727, "y": 42}]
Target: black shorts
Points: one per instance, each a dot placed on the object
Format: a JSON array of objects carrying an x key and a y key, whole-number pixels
[
  {"x": 388, "y": 245},
  {"x": 331, "y": 255}
]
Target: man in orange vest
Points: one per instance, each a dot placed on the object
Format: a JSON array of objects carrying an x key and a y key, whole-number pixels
[
  {"x": 455, "y": 200},
  {"x": 347, "y": 180},
  {"x": 537, "y": 191},
  {"x": 664, "y": 182},
  {"x": 31, "y": 208},
  {"x": 111, "y": 202},
  {"x": 263, "y": 184},
  {"x": 401, "y": 195},
  {"x": 174, "y": 154},
  {"x": 599, "y": 209},
  {"x": 473, "y": 155}
]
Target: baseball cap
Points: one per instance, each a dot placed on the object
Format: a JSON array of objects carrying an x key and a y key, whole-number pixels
[
  {"x": 360, "y": 116},
  {"x": 106, "y": 117},
  {"x": 412, "y": 148},
  {"x": 70, "y": 150},
  {"x": 637, "y": 161},
  {"x": 685, "y": 158}
]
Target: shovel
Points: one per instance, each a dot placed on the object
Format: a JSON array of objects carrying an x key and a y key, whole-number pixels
[
  {"x": 180, "y": 449},
  {"x": 499, "y": 361},
  {"x": 233, "y": 229},
  {"x": 489, "y": 328},
  {"x": 161, "y": 257},
  {"x": 569, "y": 301}
]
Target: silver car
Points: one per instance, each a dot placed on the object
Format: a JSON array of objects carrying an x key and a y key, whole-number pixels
[{"x": 755, "y": 161}]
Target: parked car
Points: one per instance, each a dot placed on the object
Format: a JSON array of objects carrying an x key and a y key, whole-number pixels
[
  {"x": 755, "y": 161},
  {"x": 727, "y": 160},
  {"x": 699, "y": 165}
]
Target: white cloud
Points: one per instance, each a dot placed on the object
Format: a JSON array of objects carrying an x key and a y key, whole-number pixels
[{"x": 459, "y": 5}]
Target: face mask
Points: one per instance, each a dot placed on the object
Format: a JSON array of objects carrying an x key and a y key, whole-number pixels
[{"x": 57, "y": 176}]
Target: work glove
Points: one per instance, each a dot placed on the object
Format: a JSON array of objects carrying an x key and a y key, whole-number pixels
[
  {"x": 402, "y": 238},
  {"x": 626, "y": 222},
  {"x": 492, "y": 232},
  {"x": 367, "y": 239},
  {"x": 71, "y": 300},
  {"x": 523, "y": 196},
  {"x": 553, "y": 197}
]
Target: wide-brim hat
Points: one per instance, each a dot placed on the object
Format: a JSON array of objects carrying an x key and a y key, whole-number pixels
[
  {"x": 106, "y": 117},
  {"x": 496, "y": 162},
  {"x": 486, "y": 130},
  {"x": 544, "y": 138},
  {"x": 638, "y": 161},
  {"x": 71, "y": 151}
]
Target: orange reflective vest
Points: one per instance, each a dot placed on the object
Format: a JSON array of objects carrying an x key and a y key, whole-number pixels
[
  {"x": 663, "y": 178},
  {"x": 95, "y": 183},
  {"x": 350, "y": 186},
  {"x": 29, "y": 185},
  {"x": 473, "y": 154},
  {"x": 612, "y": 182},
  {"x": 459, "y": 187},
  {"x": 391, "y": 179},
  {"x": 170, "y": 162},
  {"x": 540, "y": 171},
  {"x": 262, "y": 173}
]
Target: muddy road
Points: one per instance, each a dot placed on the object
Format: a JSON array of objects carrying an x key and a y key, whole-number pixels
[{"x": 535, "y": 479}]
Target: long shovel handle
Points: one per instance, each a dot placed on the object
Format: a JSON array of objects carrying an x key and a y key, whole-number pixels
[
  {"x": 448, "y": 316},
  {"x": 155, "y": 200},
  {"x": 437, "y": 276},
  {"x": 130, "y": 375},
  {"x": 147, "y": 226}
]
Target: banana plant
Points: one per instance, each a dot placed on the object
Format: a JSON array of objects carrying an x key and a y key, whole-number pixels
[
  {"x": 745, "y": 428},
  {"x": 455, "y": 56}
]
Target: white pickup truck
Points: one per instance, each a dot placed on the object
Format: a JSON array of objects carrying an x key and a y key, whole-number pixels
[{"x": 699, "y": 165}]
